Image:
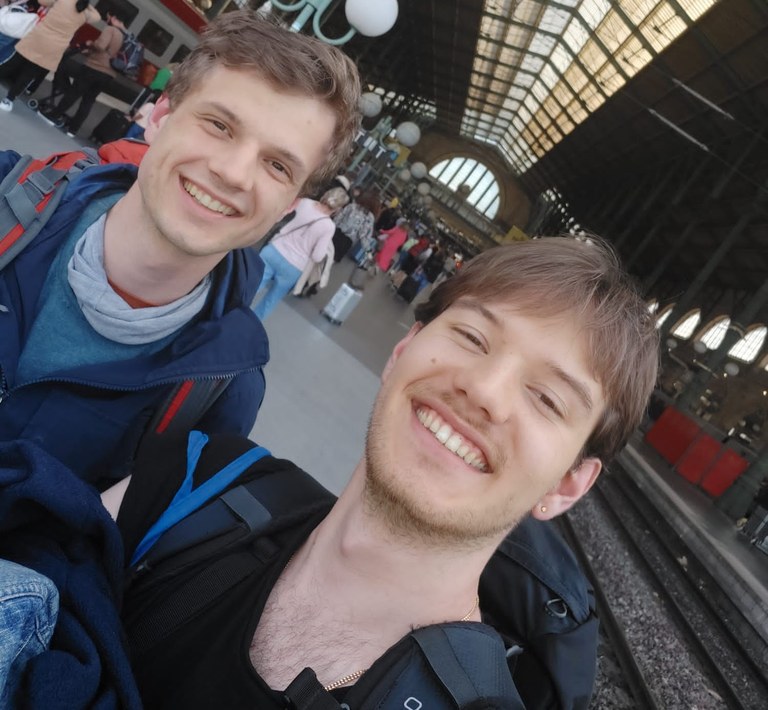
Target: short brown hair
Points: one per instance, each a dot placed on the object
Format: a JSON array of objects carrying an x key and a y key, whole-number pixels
[
  {"x": 289, "y": 61},
  {"x": 556, "y": 275}
]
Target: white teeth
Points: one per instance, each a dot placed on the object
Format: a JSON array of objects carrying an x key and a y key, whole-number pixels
[
  {"x": 452, "y": 441},
  {"x": 207, "y": 201}
]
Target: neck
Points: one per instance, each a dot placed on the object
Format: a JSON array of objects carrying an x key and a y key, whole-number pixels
[
  {"x": 138, "y": 260},
  {"x": 383, "y": 579}
]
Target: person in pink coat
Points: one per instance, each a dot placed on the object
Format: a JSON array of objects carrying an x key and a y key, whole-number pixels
[{"x": 395, "y": 238}]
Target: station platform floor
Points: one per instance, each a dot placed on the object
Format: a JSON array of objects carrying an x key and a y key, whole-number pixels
[
  {"x": 739, "y": 567},
  {"x": 322, "y": 379}
]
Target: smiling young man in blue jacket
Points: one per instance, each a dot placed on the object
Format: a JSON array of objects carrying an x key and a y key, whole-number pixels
[{"x": 141, "y": 279}]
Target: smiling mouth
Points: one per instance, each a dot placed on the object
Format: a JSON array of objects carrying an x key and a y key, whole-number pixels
[
  {"x": 206, "y": 200},
  {"x": 452, "y": 441}
]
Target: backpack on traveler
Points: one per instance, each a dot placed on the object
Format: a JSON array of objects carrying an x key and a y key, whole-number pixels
[
  {"x": 129, "y": 57},
  {"x": 29, "y": 196},
  {"x": 532, "y": 598}
]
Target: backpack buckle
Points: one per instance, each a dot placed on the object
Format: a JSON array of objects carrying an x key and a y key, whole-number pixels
[{"x": 41, "y": 181}]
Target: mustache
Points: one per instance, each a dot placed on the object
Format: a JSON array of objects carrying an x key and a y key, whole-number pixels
[{"x": 464, "y": 412}]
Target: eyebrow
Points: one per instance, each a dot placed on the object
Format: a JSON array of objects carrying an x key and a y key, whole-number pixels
[
  {"x": 474, "y": 305},
  {"x": 282, "y": 153},
  {"x": 581, "y": 390}
]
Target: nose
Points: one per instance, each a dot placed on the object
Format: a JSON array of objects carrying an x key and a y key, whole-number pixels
[
  {"x": 235, "y": 166},
  {"x": 490, "y": 389}
]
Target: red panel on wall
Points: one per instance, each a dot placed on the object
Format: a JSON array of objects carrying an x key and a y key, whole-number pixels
[
  {"x": 672, "y": 434},
  {"x": 699, "y": 457},
  {"x": 728, "y": 467}
]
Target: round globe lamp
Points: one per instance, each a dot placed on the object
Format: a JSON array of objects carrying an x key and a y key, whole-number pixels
[
  {"x": 419, "y": 170},
  {"x": 371, "y": 19},
  {"x": 370, "y": 104},
  {"x": 408, "y": 134},
  {"x": 404, "y": 175},
  {"x": 423, "y": 188}
]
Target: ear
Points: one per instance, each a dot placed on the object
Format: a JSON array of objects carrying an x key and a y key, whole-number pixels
[
  {"x": 569, "y": 490},
  {"x": 415, "y": 328},
  {"x": 157, "y": 118}
]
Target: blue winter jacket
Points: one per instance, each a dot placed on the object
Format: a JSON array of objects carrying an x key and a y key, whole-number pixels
[{"x": 92, "y": 417}]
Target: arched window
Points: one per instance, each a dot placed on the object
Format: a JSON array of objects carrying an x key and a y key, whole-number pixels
[
  {"x": 713, "y": 334},
  {"x": 665, "y": 313},
  {"x": 653, "y": 306},
  {"x": 685, "y": 327},
  {"x": 749, "y": 346},
  {"x": 472, "y": 180}
]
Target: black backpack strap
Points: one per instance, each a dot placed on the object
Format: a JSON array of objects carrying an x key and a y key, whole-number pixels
[
  {"x": 306, "y": 693},
  {"x": 241, "y": 512},
  {"x": 252, "y": 512},
  {"x": 168, "y": 613},
  {"x": 470, "y": 662},
  {"x": 185, "y": 405}
]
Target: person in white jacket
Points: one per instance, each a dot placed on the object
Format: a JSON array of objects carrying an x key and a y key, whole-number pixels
[{"x": 303, "y": 240}]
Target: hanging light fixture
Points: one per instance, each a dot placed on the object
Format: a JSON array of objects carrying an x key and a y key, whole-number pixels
[
  {"x": 370, "y": 104},
  {"x": 408, "y": 134}
]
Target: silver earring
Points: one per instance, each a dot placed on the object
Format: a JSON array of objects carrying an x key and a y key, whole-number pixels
[{"x": 543, "y": 508}]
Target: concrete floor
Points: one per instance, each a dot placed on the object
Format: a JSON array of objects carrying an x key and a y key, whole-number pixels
[{"x": 322, "y": 378}]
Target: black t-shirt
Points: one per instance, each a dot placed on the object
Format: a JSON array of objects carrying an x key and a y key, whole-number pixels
[{"x": 204, "y": 663}]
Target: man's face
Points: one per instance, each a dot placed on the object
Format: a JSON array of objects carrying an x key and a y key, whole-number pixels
[
  {"x": 480, "y": 419},
  {"x": 228, "y": 161}
]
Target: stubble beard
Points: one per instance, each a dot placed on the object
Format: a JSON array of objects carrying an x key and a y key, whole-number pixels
[{"x": 391, "y": 500}]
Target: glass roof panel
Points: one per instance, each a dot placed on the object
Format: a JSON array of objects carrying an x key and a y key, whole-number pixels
[{"x": 554, "y": 45}]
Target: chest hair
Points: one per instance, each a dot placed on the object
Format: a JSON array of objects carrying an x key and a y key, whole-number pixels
[{"x": 297, "y": 631}]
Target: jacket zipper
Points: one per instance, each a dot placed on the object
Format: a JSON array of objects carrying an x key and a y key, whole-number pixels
[{"x": 5, "y": 392}]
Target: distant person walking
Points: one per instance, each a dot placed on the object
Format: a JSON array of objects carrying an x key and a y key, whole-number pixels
[
  {"x": 90, "y": 78},
  {"x": 393, "y": 239},
  {"x": 42, "y": 49},
  {"x": 303, "y": 240},
  {"x": 355, "y": 222}
]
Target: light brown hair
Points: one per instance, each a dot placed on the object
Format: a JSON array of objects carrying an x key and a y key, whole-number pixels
[
  {"x": 289, "y": 61},
  {"x": 559, "y": 276}
]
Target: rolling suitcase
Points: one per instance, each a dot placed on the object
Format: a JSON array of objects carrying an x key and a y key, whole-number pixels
[
  {"x": 408, "y": 289},
  {"x": 111, "y": 127},
  {"x": 342, "y": 303}
]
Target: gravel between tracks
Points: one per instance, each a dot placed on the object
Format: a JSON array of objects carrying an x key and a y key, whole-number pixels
[{"x": 672, "y": 673}]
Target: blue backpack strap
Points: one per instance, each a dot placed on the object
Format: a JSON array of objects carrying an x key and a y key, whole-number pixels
[
  {"x": 187, "y": 499},
  {"x": 206, "y": 514},
  {"x": 31, "y": 192}
]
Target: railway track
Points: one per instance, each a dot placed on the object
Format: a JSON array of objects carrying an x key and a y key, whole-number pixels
[{"x": 704, "y": 618}]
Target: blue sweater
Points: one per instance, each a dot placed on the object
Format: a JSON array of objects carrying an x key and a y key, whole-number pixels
[
  {"x": 91, "y": 417},
  {"x": 52, "y": 522}
]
